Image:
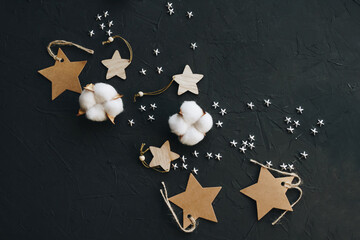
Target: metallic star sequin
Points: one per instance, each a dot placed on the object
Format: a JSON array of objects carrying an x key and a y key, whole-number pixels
[
  {"x": 223, "y": 111},
  {"x": 209, "y": 155},
  {"x": 219, "y": 124},
  {"x": 131, "y": 122},
  {"x": 233, "y": 143},
  {"x": 299, "y": 110},
  {"x": 193, "y": 46},
  {"x": 142, "y": 71}
]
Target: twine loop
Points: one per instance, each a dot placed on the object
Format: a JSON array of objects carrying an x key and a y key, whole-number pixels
[
  {"x": 65, "y": 43},
  {"x": 111, "y": 39},
  {"x": 191, "y": 218},
  {"x": 157, "y": 92},
  {"x": 294, "y": 185}
]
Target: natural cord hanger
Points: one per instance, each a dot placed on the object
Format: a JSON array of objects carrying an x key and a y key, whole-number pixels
[
  {"x": 65, "y": 43},
  {"x": 142, "y": 158},
  {"x": 111, "y": 39},
  {"x": 287, "y": 185},
  {"x": 192, "y": 219},
  {"x": 157, "y": 92}
]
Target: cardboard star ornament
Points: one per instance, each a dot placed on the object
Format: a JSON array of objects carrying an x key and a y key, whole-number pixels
[
  {"x": 64, "y": 75},
  {"x": 196, "y": 201},
  {"x": 116, "y": 66},
  {"x": 187, "y": 81},
  {"x": 269, "y": 192},
  {"x": 162, "y": 156}
]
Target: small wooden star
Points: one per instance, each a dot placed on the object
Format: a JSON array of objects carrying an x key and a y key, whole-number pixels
[
  {"x": 187, "y": 81},
  {"x": 163, "y": 156},
  {"x": 116, "y": 66},
  {"x": 196, "y": 201},
  {"x": 64, "y": 75}
]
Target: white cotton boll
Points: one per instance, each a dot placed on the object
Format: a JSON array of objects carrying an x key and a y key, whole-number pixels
[
  {"x": 191, "y": 137},
  {"x": 96, "y": 113},
  {"x": 86, "y": 100},
  {"x": 114, "y": 107},
  {"x": 104, "y": 92},
  {"x": 191, "y": 112},
  {"x": 205, "y": 123},
  {"x": 178, "y": 125}
]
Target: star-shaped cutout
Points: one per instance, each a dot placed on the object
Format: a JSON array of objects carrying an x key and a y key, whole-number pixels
[
  {"x": 196, "y": 201},
  {"x": 64, "y": 75},
  {"x": 187, "y": 81},
  {"x": 219, "y": 124},
  {"x": 269, "y": 193},
  {"x": 162, "y": 156},
  {"x": 116, "y": 66},
  {"x": 233, "y": 143},
  {"x": 215, "y": 105}
]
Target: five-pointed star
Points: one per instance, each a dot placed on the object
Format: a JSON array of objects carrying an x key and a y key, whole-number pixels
[
  {"x": 290, "y": 129},
  {"x": 218, "y": 156},
  {"x": 291, "y": 167},
  {"x": 142, "y": 108},
  {"x": 244, "y": 143},
  {"x": 143, "y": 71},
  {"x": 169, "y": 5},
  {"x": 187, "y": 81},
  {"x": 283, "y": 166},
  {"x": 195, "y": 170},
  {"x": 189, "y": 14},
  {"x": 250, "y": 105},
  {"x": 313, "y": 131},
  {"x": 320, "y": 122},
  {"x": 269, "y": 164},
  {"x": 296, "y": 123},
  {"x": 116, "y": 66},
  {"x": 223, "y": 111},
  {"x": 156, "y": 51},
  {"x": 159, "y": 70},
  {"x": 196, "y": 154},
  {"x": 219, "y": 124},
  {"x": 251, "y": 145},
  {"x": 63, "y": 75},
  {"x": 106, "y": 13},
  {"x": 269, "y": 193},
  {"x": 151, "y": 118},
  {"x": 233, "y": 143},
  {"x": 109, "y": 32},
  {"x": 162, "y": 156},
  {"x": 299, "y": 110},
  {"x": 91, "y": 33},
  {"x": 193, "y": 46},
  {"x": 215, "y": 105},
  {"x": 304, "y": 154},
  {"x": 287, "y": 120},
  {"x": 131, "y": 122},
  {"x": 174, "y": 166},
  {"x": 153, "y": 106},
  {"x": 251, "y": 138},
  {"x": 196, "y": 201},
  {"x": 98, "y": 17},
  {"x": 184, "y": 166},
  {"x": 183, "y": 158},
  {"x": 171, "y": 11},
  {"x": 209, "y": 155},
  {"x": 111, "y": 23},
  {"x": 267, "y": 102},
  {"x": 242, "y": 149},
  {"x": 102, "y": 26}
]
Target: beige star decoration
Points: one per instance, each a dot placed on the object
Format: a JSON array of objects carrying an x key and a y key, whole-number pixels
[
  {"x": 187, "y": 81},
  {"x": 196, "y": 201},
  {"x": 269, "y": 193},
  {"x": 116, "y": 66},
  {"x": 163, "y": 156},
  {"x": 63, "y": 75}
]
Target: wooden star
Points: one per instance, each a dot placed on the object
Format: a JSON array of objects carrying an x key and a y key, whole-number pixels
[
  {"x": 196, "y": 201},
  {"x": 63, "y": 75},
  {"x": 163, "y": 156},
  {"x": 269, "y": 193},
  {"x": 187, "y": 81},
  {"x": 116, "y": 66}
]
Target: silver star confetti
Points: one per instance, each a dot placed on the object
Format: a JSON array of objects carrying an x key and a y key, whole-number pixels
[
  {"x": 218, "y": 156},
  {"x": 111, "y": 23},
  {"x": 102, "y": 26},
  {"x": 106, "y": 13},
  {"x": 131, "y": 122},
  {"x": 195, "y": 170},
  {"x": 91, "y": 33},
  {"x": 193, "y": 46},
  {"x": 251, "y": 138},
  {"x": 269, "y": 164},
  {"x": 189, "y": 14},
  {"x": 250, "y": 105},
  {"x": 267, "y": 102},
  {"x": 174, "y": 166},
  {"x": 183, "y": 158},
  {"x": 299, "y": 110},
  {"x": 169, "y": 5},
  {"x": 244, "y": 143},
  {"x": 171, "y": 11},
  {"x": 314, "y": 131},
  {"x": 109, "y": 32},
  {"x": 98, "y": 17},
  {"x": 320, "y": 122},
  {"x": 291, "y": 167},
  {"x": 304, "y": 154},
  {"x": 184, "y": 166},
  {"x": 283, "y": 166},
  {"x": 215, "y": 105},
  {"x": 251, "y": 145},
  {"x": 242, "y": 149},
  {"x": 219, "y": 124},
  {"x": 290, "y": 129},
  {"x": 223, "y": 111},
  {"x": 209, "y": 155},
  {"x": 287, "y": 120},
  {"x": 142, "y": 108},
  {"x": 156, "y": 51},
  {"x": 151, "y": 118},
  {"x": 296, "y": 123},
  {"x": 196, "y": 154},
  {"x": 153, "y": 106},
  {"x": 233, "y": 143},
  {"x": 142, "y": 71},
  {"x": 159, "y": 70}
]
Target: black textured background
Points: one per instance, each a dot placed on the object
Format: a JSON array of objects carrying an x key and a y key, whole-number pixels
[{"x": 64, "y": 177}]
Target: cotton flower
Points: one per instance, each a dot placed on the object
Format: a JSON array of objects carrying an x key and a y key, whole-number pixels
[
  {"x": 100, "y": 102},
  {"x": 191, "y": 123}
]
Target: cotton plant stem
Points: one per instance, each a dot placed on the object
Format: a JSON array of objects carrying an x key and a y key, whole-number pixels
[
  {"x": 65, "y": 43},
  {"x": 166, "y": 200},
  {"x": 287, "y": 185}
]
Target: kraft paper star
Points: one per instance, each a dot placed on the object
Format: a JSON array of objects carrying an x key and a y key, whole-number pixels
[
  {"x": 162, "y": 156},
  {"x": 64, "y": 75},
  {"x": 196, "y": 201},
  {"x": 269, "y": 193},
  {"x": 116, "y": 66},
  {"x": 187, "y": 81}
]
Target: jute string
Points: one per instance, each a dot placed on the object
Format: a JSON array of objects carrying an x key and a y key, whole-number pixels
[
  {"x": 142, "y": 152},
  {"x": 157, "y": 92},
  {"x": 287, "y": 185},
  {"x": 65, "y": 43},
  {"x": 166, "y": 199},
  {"x": 111, "y": 39}
]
